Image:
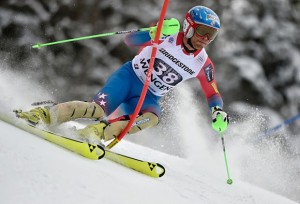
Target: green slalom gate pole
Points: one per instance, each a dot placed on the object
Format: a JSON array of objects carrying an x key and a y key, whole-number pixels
[
  {"x": 229, "y": 180},
  {"x": 39, "y": 45}
]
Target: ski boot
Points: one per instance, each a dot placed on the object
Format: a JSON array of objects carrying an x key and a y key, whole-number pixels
[
  {"x": 93, "y": 133},
  {"x": 35, "y": 115}
]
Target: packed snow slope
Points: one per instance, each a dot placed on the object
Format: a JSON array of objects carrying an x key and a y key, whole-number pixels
[{"x": 35, "y": 171}]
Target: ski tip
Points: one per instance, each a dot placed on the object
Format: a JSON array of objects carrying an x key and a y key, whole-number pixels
[
  {"x": 103, "y": 152},
  {"x": 163, "y": 170},
  {"x": 94, "y": 152},
  {"x": 156, "y": 170}
]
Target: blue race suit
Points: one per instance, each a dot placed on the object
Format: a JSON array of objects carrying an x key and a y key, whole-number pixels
[{"x": 123, "y": 88}]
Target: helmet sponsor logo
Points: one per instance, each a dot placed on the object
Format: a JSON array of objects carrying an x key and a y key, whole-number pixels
[
  {"x": 214, "y": 20},
  {"x": 212, "y": 17},
  {"x": 191, "y": 22}
]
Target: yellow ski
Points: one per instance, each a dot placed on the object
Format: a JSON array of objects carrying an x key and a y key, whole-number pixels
[
  {"x": 94, "y": 152},
  {"x": 152, "y": 169},
  {"x": 90, "y": 151}
]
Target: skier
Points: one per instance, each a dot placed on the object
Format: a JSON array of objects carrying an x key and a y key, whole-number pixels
[{"x": 180, "y": 56}]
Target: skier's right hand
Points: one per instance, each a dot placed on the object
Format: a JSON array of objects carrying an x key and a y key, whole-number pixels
[{"x": 220, "y": 119}]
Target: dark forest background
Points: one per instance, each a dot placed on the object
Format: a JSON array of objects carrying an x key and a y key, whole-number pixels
[{"x": 257, "y": 52}]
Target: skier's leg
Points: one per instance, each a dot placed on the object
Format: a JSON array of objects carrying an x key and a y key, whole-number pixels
[
  {"x": 116, "y": 90},
  {"x": 63, "y": 112},
  {"x": 143, "y": 121},
  {"x": 123, "y": 87},
  {"x": 149, "y": 116},
  {"x": 105, "y": 102},
  {"x": 112, "y": 94},
  {"x": 67, "y": 111}
]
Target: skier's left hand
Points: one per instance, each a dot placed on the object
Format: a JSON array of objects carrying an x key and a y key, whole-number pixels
[
  {"x": 170, "y": 27},
  {"x": 220, "y": 119}
]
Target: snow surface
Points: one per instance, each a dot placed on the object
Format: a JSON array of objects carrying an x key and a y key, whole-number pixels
[{"x": 35, "y": 171}]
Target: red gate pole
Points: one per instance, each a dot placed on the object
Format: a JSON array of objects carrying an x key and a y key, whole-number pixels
[{"x": 148, "y": 78}]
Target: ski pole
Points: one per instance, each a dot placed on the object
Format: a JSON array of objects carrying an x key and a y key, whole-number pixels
[
  {"x": 229, "y": 180},
  {"x": 39, "y": 45},
  {"x": 274, "y": 129}
]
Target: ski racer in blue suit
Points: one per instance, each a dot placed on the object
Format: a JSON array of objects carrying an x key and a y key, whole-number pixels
[{"x": 180, "y": 56}]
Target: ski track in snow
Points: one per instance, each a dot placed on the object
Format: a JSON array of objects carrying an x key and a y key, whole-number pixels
[{"x": 36, "y": 171}]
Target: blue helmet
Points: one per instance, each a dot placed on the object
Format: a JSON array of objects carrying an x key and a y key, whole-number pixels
[{"x": 203, "y": 17}]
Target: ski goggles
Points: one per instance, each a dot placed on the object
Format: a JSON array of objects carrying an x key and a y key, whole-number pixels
[{"x": 203, "y": 30}]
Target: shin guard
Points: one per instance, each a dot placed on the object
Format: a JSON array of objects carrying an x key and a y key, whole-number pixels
[{"x": 143, "y": 121}]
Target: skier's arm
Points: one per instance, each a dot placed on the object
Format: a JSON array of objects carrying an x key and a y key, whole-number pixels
[
  {"x": 209, "y": 85},
  {"x": 143, "y": 38}
]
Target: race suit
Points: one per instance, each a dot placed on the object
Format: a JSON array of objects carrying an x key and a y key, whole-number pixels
[{"x": 172, "y": 66}]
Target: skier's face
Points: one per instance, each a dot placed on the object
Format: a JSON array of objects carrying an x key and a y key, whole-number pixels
[
  {"x": 200, "y": 42},
  {"x": 203, "y": 30},
  {"x": 203, "y": 36}
]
